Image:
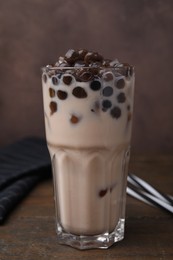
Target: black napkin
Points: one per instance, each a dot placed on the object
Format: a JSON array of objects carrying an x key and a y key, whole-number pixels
[{"x": 22, "y": 165}]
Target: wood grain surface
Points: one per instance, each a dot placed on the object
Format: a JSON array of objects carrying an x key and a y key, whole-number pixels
[{"x": 29, "y": 232}]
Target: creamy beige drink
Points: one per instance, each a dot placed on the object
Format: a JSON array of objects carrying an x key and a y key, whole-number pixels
[{"x": 88, "y": 105}]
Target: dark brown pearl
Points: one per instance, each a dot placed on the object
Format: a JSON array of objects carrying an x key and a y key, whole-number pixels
[
  {"x": 53, "y": 107},
  {"x": 79, "y": 92}
]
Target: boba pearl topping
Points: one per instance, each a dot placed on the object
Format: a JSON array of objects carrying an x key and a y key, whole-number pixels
[
  {"x": 104, "y": 85},
  {"x": 88, "y": 65}
]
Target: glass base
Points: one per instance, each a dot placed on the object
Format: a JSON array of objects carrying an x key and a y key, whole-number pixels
[{"x": 102, "y": 241}]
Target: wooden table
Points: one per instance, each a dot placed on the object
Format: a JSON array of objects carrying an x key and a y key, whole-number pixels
[{"x": 29, "y": 232}]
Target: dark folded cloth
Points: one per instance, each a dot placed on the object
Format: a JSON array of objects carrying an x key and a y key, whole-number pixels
[{"x": 22, "y": 165}]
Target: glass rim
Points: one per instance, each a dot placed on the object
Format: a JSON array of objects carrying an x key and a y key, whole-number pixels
[{"x": 122, "y": 66}]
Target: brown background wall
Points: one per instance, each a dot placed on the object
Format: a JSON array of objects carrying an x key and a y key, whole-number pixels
[{"x": 35, "y": 32}]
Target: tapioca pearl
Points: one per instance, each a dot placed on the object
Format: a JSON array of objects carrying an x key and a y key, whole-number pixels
[
  {"x": 44, "y": 77},
  {"x": 92, "y": 57},
  {"x": 95, "y": 85},
  {"x": 107, "y": 91},
  {"x": 55, "y": 81},
  {"x": 106, "y": 63},
  {"x": 88, "y": 57},
  {"x": 71, "y": 56},
  {"x": 94, "y": 68},
  {"x": 51, "y": 92},
  {"x": 108, "y": 76},
  {"x": 67, "y": 80},
  {"x": 121, "y": 98},
  {"x": 82, "y": 53},
  {"x": 102, "y": 193},
  {"x": 106, "y": 104},
  {"x": 62, "y": 94},
  {"x": 53, "y": 107},
  {"x": 74, "y": 119},
  {"x": 79, "y": 92},
  {"x": 84, "y": 75},
  {"x": 120, "y": 83},
  {"x": 115, "y": 112}
]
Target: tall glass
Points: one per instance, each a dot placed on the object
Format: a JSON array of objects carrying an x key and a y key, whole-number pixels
[{"x": 88, "y": 122}]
